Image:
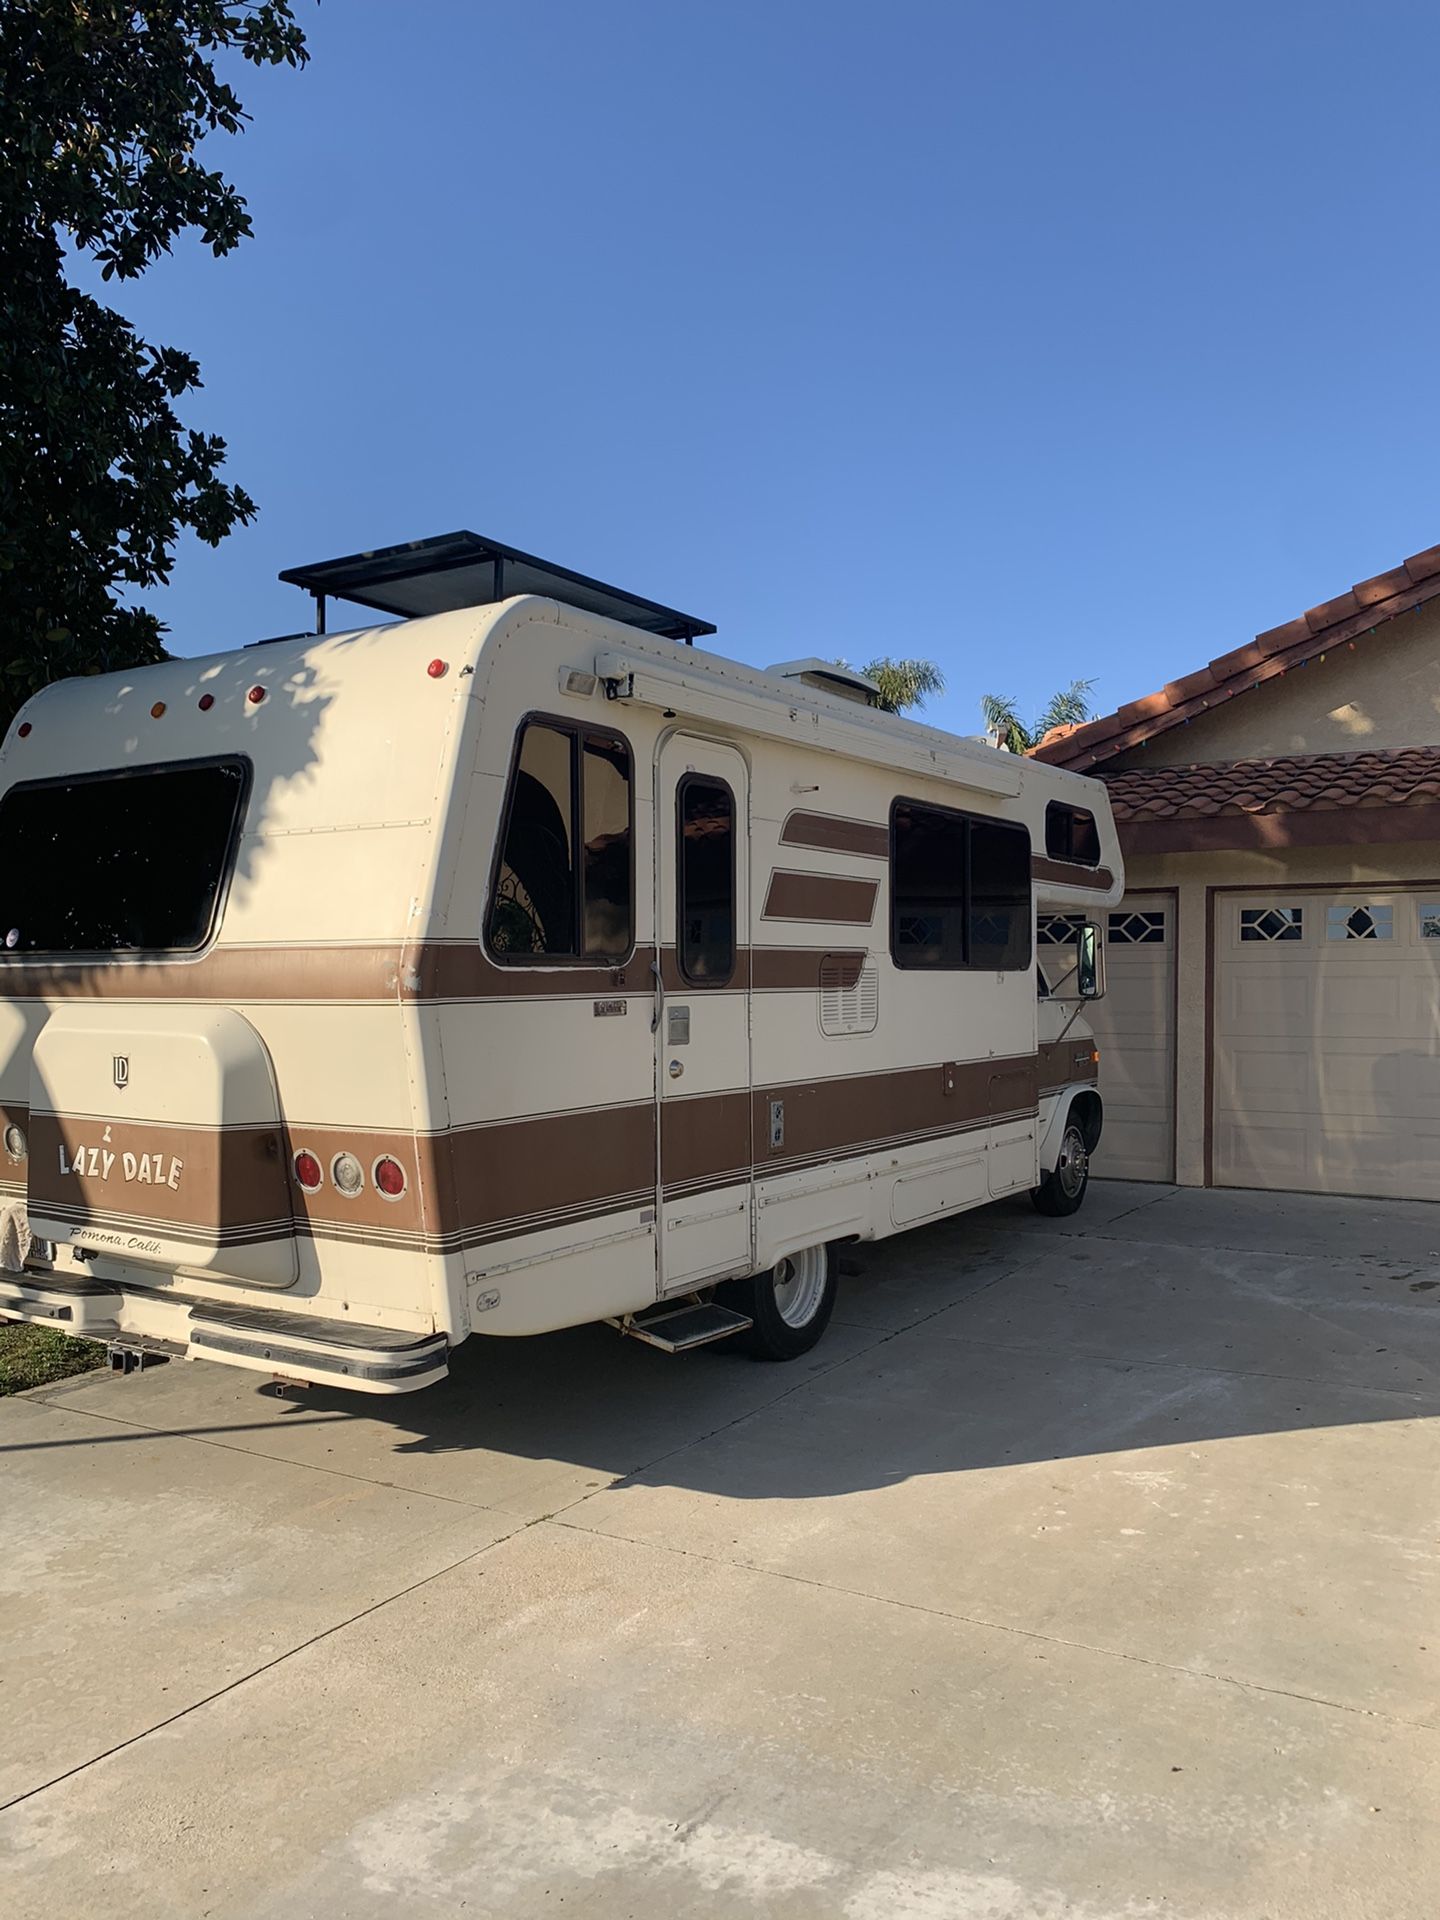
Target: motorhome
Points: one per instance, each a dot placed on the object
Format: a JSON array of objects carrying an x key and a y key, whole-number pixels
[{"x": 514, "y": 964}]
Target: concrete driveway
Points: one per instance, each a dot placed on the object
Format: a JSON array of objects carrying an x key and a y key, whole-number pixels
[{"x": 1087, "y": 1569}]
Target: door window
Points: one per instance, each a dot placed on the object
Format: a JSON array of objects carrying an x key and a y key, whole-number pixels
[{"x": 705, "y": 883}]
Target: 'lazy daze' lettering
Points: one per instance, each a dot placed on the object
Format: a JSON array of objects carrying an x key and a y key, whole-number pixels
[{"x": 97, "y": 1163}]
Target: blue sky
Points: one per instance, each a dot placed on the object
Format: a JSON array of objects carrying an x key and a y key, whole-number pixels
[{"x": 1039, "y": 339}]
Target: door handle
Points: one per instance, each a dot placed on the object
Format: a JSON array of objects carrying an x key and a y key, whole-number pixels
[
  {"x": 659, "y": 1005},
  {"x": 676, "y": 1069}
]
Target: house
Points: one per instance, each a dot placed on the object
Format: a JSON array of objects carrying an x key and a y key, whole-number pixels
[{"x": 1273, "y": 1014}]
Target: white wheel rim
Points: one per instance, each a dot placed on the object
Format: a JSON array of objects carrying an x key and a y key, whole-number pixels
[
  {"x": 1074, "y": 1162},
  {"x": 799, "y": 1284}
]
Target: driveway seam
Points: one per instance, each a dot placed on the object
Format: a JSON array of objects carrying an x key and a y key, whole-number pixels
[
  {"x": 1000, "y": 1626},
  {"x": 268, "y": 1666}
]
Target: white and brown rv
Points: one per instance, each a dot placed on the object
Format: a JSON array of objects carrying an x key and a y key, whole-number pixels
[{"x": 511, "y": 966}]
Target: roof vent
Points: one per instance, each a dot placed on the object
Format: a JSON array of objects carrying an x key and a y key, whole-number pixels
[{"x": 830, "y": 676}]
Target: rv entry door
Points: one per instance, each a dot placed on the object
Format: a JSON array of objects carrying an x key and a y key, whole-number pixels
[{"x": 702, "y": 1029}]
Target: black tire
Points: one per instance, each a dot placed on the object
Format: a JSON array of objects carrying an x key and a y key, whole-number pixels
[
  {"x": 790, "y": 1304},
  {"x": 1063, "y": 1190}
]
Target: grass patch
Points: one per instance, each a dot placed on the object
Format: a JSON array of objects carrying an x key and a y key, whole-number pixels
[{"x": 33, "y": 1356}]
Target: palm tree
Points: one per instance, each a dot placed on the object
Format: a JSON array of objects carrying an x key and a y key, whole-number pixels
[
  {"x": 904, "y": 683},
  {"x": 1065, "y": 709}
]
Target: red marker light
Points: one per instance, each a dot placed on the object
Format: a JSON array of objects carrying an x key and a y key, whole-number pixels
[
  {"x": 437, "y": 669},
  {"x": 157, "y": 709},
  {"x": 205, "y": 702},
  {"x": 255, "y": 696},
  {"x": 307, "y": 1171},
  {"x": 390, "y": 1178},
  {"x": 24, "y": 729}
]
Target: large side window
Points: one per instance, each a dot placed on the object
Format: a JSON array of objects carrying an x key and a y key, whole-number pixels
[
  {"x": 1071, "y": 834},
  {"x": 126, "y": 862},
  {"x": 959, "y": 891},
  {"x": 705, "y": 881},
  {"x": 564, "y": 883}
]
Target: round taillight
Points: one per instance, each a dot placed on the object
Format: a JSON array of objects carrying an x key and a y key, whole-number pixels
[
  {"x": 390, "y": 1178},
  {"x": 205, "y": 702},
  {"x": 157, "y": 709},
  {"x": 23, "y": 730},
  {"x": 437, "y": 669},
  {"x": 255, "y": 696},
  {"x": 348, "y": 1174},
  {"x": 308, "y": 1171},
  {"x": 16, "y": 1145}
]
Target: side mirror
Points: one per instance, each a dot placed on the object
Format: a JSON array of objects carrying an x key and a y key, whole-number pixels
[{"x": 1090, "y": 962}]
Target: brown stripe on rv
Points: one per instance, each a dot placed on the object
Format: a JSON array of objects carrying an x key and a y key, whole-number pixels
[
  {"x": 1065, "y": 873},
  {"x": 832, "y": 833},
  {"x": 831, "y": 897},
  {"x": 521, "y": 1169},
  {"x": 1064, "y": 1062},
  {"x": 522, "y": 1176},
  {"x": 824, "y": 1117},
  {"x": 433, "y": 970}
]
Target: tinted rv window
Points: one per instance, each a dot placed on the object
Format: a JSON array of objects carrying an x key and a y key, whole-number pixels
[
  {"x": 1071, "y": 834},
  {"x": 999, "y": 896},
  {"x": 959, "y": 890},
  {"x": 706, "y": 881},
  {"x": 129, "y": 862},
  {"x": 568, "y": 789},
  {"x": 927, "y": 887}
]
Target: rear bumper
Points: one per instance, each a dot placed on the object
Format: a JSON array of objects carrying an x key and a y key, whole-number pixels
[{"x": 368, "y": 1359}]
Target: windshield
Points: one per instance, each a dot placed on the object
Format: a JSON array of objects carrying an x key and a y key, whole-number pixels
[{"x": 129, "y": 862}]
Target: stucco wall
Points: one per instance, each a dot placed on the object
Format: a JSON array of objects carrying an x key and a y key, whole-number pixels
[
  {"x": 1192, "y": 874},
  {"x": 1384, "y": 693}
]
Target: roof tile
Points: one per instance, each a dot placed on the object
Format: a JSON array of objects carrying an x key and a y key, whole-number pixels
[{"x": 1295, "y": 783}]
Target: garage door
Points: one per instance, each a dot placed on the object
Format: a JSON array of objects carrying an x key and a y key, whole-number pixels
[
  {"x": 1134, "y": 1026},
  {"x": 1327, "y": 1042}
]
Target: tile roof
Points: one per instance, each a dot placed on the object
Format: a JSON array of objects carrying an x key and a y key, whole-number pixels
[
  {"x": 1368, "y": 604},
  {"x": 1314, "y": 782}
]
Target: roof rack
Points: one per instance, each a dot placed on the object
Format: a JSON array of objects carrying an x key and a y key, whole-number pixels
[{"x": 455, "y": 570}]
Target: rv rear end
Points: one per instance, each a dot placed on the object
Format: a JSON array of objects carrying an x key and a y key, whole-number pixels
[{"x": 216, "y": 1114}]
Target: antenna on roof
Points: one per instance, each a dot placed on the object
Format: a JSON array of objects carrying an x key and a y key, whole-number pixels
[{"x": 455, "y": 570}]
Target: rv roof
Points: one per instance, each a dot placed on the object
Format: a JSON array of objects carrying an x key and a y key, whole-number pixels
[{"x": 455, "y": 570}]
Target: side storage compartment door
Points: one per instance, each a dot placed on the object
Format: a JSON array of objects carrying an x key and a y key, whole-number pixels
[{"x": 702, "y": 1035}]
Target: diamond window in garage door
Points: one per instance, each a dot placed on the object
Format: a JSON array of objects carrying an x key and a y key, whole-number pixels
[
  {"x": 1136, "y": 929},
  {"x": 1059, "y": 929},
  {"x": 1272, "y": 923},
  {"x": 1359, "y": 923}
]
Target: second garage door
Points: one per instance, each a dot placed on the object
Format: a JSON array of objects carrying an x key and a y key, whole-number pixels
[{"x": 1327, "y": 1042}]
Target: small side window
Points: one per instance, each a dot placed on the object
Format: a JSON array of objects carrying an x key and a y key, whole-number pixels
[
  {"x": 568, "y": 790},
  {"x": 705, "y": 881},
  {"x": 1071, "y": 834}
]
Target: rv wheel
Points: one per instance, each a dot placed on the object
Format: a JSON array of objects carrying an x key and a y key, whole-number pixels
[
  {"x": 1062, "y": 1191},
  {"x": 790, "y": 1305}
]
